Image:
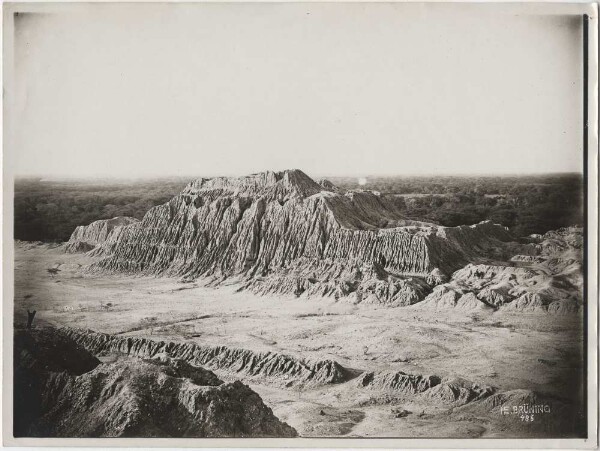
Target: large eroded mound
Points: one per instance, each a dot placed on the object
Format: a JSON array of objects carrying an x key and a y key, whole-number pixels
[
  {"x": 61, "y": 390},
  {"x": 285, "y": 233}
]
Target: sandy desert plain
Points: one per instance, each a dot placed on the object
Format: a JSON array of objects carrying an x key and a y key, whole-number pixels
[
  {"x": 501, "y": 349},
  {"x": 493, "y": 349}
]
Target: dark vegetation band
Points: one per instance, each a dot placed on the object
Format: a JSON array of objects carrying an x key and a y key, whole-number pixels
[{"x": 50, "y": 210}]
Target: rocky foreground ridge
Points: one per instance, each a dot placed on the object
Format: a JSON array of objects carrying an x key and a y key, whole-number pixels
[
  {"x": 149, "y": 370},
  {"x": 278, "y": 369},
  {"x": 62, "y": 390},
  {"x": 284, "y": 233}
]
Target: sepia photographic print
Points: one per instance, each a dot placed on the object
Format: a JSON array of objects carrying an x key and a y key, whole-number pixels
[{"x": 314, "y": 224}]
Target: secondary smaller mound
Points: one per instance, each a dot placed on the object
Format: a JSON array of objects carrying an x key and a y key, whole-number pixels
[
  {"x": 61, "y": 390},
  {"x": 548, "y": 279},
  {"x": 458, "y": 399},
  {"x": 97, "y": 234},
  {"x": 432, "y": 389}
]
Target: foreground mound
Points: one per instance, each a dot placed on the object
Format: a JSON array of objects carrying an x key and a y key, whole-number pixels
[{"x": 61, "y": 390}]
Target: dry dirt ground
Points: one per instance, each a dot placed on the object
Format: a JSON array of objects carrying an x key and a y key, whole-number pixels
[{"x": 539, "y": 352}]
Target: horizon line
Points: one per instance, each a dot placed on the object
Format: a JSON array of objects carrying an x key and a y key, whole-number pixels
[{"x": 316, "y": 175}]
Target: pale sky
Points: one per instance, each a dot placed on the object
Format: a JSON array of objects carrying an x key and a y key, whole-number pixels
[{"x": 332, "y": 89}]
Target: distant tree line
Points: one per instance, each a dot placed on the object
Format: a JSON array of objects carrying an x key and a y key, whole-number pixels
[
  {"x": 50, "y": 210},
  {"x": 525, "y": 204}
]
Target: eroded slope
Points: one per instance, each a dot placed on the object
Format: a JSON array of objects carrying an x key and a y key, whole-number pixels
[{"x": 284, "y": 233}]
